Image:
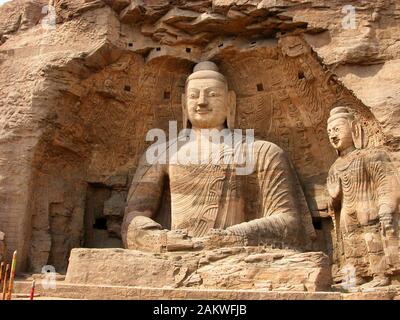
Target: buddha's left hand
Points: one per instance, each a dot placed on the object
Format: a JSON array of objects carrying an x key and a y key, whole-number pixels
[
  {"x": 222, "y": 238},
  {"x": 218, "y": 232},
  {"x": 179, "y": 240}
]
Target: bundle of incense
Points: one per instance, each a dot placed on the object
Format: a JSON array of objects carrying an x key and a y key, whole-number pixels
[
  {"x": 12, "y": 275},
  {"x": 1, "y": 272},
  {"x": 32, "y": 294},
  {"x": 3, "y": 296}
]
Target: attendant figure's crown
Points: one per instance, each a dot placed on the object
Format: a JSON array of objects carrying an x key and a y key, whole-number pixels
[{"x": 340, "y": 112}]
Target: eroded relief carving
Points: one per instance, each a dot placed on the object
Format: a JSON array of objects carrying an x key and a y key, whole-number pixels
[{"x": 364, "y": 203}]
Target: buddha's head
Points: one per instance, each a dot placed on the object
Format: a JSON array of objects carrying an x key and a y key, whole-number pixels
[
  {"x": 343, "y": 131},
  {"x": 207, "y": 103}
]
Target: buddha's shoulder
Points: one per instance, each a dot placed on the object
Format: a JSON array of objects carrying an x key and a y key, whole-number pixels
[
  {"x": 371, "y": 154},
  {"x": 267, "y": 146},
  {"x": 375, "y": 154},
  {"x": 368, "y": 155}
]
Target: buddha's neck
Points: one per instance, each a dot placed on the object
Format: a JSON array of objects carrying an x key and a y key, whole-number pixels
[
  {"x": 202, "y": 132},
  {"x": 346, "y": 151}
]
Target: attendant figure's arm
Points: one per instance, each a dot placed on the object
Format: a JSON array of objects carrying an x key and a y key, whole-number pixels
[{"x": 384, "y": 176}]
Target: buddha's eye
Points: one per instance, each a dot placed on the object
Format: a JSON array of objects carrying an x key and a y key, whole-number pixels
[
  {"x": 212, "y": 94},
  {"x": 192, "y": 95}
]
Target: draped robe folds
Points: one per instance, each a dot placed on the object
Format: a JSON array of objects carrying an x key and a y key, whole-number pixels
[
  {"x": 208, "y": 196},
  {"x": 359, "y": 185}
]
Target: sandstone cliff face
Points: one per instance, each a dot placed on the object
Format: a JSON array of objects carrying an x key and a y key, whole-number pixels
[{"x": 80, "y": 90}]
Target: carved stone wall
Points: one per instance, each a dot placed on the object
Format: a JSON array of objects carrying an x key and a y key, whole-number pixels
[{"x": 80, "y": 97}]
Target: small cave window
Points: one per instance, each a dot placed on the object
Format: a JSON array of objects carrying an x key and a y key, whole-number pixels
[
  {"x": 253, "y": 42},
  {"x": 220, "y": 45},
  {"x": 188, "y": 50},
  {"x": 260, "y": 87},
  {"x": 158, "y": 49},
  {"x": 100, "y": 224},
  {"x": 301, "y": 75},
  {"x": 127, "y": 88},
  {"x": 167, "y": 95},
  {"x": 317, "y": 224},
  {"x": 130, "y": 44}
]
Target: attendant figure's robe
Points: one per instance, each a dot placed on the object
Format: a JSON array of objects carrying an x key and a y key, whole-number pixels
[
  {"x": 359, "y": 184},
  {"x": 213, "y": 196}
]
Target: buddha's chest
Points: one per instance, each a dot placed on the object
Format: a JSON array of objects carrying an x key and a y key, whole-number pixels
[
  {"x": 205, "y": 179},
  {"x": 204, "y": 197},
  {"x": 353, "y": 175}
]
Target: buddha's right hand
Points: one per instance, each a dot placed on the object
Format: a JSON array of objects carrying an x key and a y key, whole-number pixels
[
  {"x": 147, "y": 235},
  {"x": 179, "y": 240},
  {"x": 144, "y": 223},
  {"x": 143, "y": 233}
]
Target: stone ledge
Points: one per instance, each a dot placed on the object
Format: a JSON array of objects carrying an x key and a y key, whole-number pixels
[
  {"x": 235, "y": 268},
  {"x": 98, "y": 292}
]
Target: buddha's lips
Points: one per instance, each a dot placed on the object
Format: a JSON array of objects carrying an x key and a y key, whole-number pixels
[
  {"x": 335, "y": 141},
  {"x": 203, "y": 111}
]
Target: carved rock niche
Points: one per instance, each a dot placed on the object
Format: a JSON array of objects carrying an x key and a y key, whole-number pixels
[{"x": 107, "y": 101}]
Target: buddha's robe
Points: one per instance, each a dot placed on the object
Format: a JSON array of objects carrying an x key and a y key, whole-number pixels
[
  {"x": 359, "y": 184},
  {"x": 212, "y": 195}
]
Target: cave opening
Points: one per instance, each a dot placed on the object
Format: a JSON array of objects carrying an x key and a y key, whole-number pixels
[{"x": 98, "y": 226}]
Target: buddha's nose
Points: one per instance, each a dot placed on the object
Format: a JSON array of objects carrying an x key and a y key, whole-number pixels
[{"x": 202, "y": 102}]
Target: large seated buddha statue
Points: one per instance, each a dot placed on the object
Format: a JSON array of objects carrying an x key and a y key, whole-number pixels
[
  {"x": 208, "y": 198},
  {"x": 237, "y": 217}
]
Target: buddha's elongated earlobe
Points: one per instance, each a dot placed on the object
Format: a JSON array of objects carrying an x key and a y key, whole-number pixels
[
  {"x": 357, "y": 134},
  {"x": 231, "y": 110},
  {"x": 184, "y": 112}
]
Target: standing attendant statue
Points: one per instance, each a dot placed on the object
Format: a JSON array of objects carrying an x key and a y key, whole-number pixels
[{"x": 364, "y": 203}]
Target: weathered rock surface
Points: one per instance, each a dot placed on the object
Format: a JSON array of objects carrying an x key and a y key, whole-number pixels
[
  {"x": 103, "y": 292},
  {"x": 79, "y": 95},
  {"x": 228, "y": 268},
  {"x": 365, "y": 57}
]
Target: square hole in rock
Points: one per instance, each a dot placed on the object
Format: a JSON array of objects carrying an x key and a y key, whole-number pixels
[{"x": 100, "y": 224}]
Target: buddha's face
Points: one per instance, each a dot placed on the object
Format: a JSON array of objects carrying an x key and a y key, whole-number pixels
[
  {"x": 207, "y": 103},
  {"x": 340, "y": 134}
]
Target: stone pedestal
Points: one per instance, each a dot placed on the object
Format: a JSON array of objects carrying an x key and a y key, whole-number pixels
[{"x": 241, "y": 268}]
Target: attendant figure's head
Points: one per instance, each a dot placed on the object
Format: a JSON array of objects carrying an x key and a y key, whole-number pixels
[
  {"x": 343, "y": 131},
  {"x": 207, "y": 102}
]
